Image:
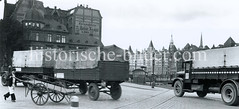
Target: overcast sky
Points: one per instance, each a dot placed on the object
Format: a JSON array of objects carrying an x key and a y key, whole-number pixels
[{"x": 136, "y": 22}]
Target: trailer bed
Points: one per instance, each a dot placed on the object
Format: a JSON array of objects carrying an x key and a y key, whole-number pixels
[{"x": 106, "y": 70}]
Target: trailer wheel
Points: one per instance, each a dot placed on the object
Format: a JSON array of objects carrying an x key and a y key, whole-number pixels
[
  {"x": 93, "y": 92},
  {"x": 229, "y": 94},
  {"x": 201, "y": 94},
  {"x": 83, "y": 88},
  {"x": 4, "y": 79},
  {"x": 178, "y": 88},
  {"x": 39, "y": 94},
  {"x": 56, "y": 96},
  {"x": 115, "y": 91}
]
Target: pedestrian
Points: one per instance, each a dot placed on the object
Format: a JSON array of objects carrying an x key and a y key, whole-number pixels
[{"x": 11, "y": 85}]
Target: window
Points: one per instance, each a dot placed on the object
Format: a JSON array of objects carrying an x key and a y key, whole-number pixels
[
  {"x": 37, "y": 36},
  {"x": 63, "y": 40},
  {"x": 49, "y": 37},
  {"x": 58, "y": 38},
  {"x": 33, "y": 24},
  {"x": 30, "y": 23},
  {"x": 38, "y": 25},
  {"x": 26, "y": 24}
]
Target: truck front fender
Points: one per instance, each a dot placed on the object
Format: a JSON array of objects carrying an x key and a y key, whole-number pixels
[
  {"x": 175, "y": 79},
  {"x": 230, "y": 81}
]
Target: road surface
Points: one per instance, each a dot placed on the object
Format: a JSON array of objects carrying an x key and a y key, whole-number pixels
[{"x": 133, "y": 97}]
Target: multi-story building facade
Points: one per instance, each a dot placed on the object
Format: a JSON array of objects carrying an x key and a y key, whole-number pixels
[
  {"x": 158, "y": 62},
  {"x": 168, "y": 61},
  {"x": 47, "y": 28}
]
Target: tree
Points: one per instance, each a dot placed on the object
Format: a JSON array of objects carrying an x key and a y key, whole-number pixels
[{"x": 11, "y": 39}]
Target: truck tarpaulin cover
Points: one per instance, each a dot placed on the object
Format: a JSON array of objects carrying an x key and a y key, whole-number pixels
[
  {"x": 33, "y": 58},
  {"x": 77, "y": 59},
  {"x": 222, "y": 57},
  {"x": 67, "y": 59},
  {"x": 88, "y": 58}
]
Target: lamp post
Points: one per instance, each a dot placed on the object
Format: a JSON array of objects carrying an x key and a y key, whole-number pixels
[{"x": 153, "y": 64}]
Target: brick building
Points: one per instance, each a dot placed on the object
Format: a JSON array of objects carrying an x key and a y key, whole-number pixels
[
  {"x": 163, "y": 61},
  {"x": 48, "y": 28}
]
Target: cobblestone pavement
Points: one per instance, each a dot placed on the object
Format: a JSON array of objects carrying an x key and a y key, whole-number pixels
[{"x": 133, "y": 97}]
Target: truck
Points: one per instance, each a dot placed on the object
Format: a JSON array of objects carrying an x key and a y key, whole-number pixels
[
  {"x": 93, "y": 69},
  {"x": 210, "y": 71}
]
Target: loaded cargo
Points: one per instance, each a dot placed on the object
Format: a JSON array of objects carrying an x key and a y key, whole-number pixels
[
  {"x": 94, "y": 69},
  {"x": 211, "y": 71}
]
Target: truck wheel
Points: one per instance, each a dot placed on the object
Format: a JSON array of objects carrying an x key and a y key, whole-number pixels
[
  {"x": 229, "y": 94},
  {"x": 93, "y": 92},
  {"x": 115, "y": 91},
  {"x": 178, "y": 88},
  {"x": 4, "y": 79},
  {"x": 83, "y": 88},
  {"x": 201, "y": 94}
]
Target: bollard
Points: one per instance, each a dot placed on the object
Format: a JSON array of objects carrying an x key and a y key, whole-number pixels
[{"x": 74, "y": 102}]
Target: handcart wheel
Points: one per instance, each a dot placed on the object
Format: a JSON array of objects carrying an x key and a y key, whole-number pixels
[
  {"x": 39, "y": 94},
  {"x": 115, "y": 91},
  {"x": 56, "y": 96},
  {"x": 93, "y": 91},
  {"x": 83, "y": 88}
]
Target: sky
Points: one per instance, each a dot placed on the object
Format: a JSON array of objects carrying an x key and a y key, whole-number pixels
[{"x": 137, "y": 22}]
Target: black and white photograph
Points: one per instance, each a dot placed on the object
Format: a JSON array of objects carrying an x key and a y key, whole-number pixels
[{"x": 119, "y": 54}]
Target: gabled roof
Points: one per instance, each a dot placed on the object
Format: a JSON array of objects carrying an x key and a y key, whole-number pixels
[
  {"x": 187, "y": 47},
  {"x": 50, "y": 11},
  {"x": 151, "y": 45},
  {"x": 130, "y": 50},
  {"x": 229, "y": 43}
]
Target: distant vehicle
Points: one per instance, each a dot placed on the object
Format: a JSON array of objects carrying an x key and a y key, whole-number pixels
[
  {"x": 211, "y": 71},
  {"x": 66, "y": 70}
]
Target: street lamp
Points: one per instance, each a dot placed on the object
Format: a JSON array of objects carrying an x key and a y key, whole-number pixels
[{"x": 153, "y": 62}]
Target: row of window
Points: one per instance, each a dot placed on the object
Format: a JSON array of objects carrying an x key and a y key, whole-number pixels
[
  {"x": 59, "y": 38},
  {"x": 52, "y": 47},
  {"x": 32, "y": 24}
]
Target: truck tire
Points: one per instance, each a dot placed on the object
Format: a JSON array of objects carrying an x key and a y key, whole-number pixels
[
  {"x": 83, "y": 88},
  {"x": 115, "y": 91},
  {"x": 229, "y": 94},
  {"x": 201, "y": 94},
  {"x": 4, "y": 79},
  {"x": 178, "y": 88},
  {"x": 93, "y": 92}
]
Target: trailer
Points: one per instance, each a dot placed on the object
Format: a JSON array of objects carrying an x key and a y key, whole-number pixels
[
  {"x": 211, "y": 71},
  {"x": 94, "y": 70}
]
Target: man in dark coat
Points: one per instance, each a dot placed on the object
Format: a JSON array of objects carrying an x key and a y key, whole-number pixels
[{"x": 11, "y": 85}]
